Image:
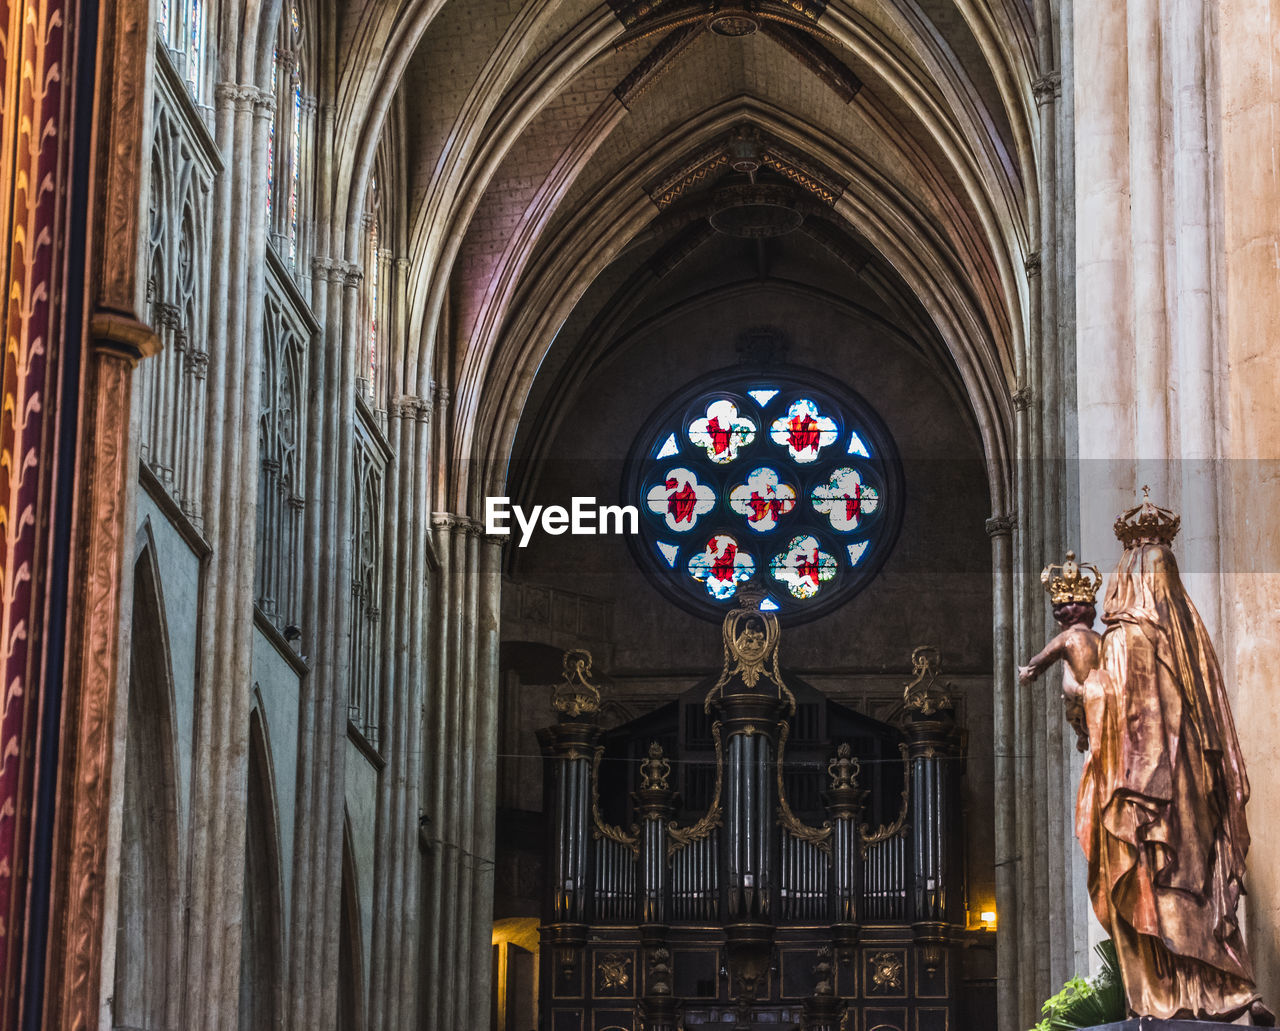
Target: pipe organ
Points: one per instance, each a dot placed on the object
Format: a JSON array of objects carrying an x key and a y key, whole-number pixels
[{"x": 753, "y": 855}]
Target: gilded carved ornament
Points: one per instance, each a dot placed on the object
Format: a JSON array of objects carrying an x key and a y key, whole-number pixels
[
  {"x": 614, "y": 972},
  {"x": 844, "y": 769},
  {"x": 576, "y": 695},
  {"x": 607, "y": 830},
  {"x": 886, "y": 972},
  {"x": 925, "y": 694},
  {"x": 678, "y": 837},
  {"x": 655, "y": 771},
  {"x": 1072, "y": 581},
  {"x": 818, "y": 836},
  {"x": 867, "y": 837}
]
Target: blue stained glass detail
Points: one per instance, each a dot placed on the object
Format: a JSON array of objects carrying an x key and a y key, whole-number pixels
[
  {"x": 857, "y": 447},
  {"x": 670, "y": 447},
  {"x": 721, "y": 566},
  {"x": 763, "y": 397},
  {"x": 193, "y": 69},
  {"x": 856, "y": 551},
  {"x": 768, "y": 605},
  {"x": 295, "y": 154},
  {"x": 670, "y": 552}
]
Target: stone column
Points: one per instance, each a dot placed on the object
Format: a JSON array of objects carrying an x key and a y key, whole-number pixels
[
  {"x": 1246, "y": 64},
  {"x": 1009, "y": 984},
  {"x": 459, "y": 795}
]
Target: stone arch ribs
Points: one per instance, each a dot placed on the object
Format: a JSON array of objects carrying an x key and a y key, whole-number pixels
[
  {"x": 923, "y": 76},
  {"x": 977, "y": 325}
]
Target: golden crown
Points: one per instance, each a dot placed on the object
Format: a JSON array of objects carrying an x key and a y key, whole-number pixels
[
  {"x": 1147, "y": 523},
  {"x": 1071, "y": 581}
]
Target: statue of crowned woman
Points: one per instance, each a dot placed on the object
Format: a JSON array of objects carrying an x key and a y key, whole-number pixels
[{"x": 1161, "y": 808}]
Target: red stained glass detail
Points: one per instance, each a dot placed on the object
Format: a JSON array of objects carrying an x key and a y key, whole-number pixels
[
  {"x": 853, "y": 505},
  {"x": 720, "y": 435},
  {"x": 803, "y": 433},
  {"x": 722, "y": 563},
  {"x": 682, "y": 501}
]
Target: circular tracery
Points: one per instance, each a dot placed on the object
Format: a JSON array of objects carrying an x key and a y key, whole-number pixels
[{"x": 766, "y": 477}]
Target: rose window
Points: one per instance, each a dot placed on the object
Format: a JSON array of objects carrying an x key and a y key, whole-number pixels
[{"x": 786, "y": 479}]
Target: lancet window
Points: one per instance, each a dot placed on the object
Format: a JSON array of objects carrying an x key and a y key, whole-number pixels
[
  {"x": 282, "y": 436},
  {"x": 180, "y": 24},
  {"x": 365, "y": 694},
  {"x": 375, "y": 294},
  {"x": 284, "y": 143},
  {"x": 172, "y": 385}
]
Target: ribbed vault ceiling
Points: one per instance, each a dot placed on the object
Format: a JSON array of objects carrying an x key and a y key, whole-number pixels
[{"x": 539, "y": 133}]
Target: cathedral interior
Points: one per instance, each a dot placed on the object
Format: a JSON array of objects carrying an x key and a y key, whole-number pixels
[{"x": 861, "y": 311}]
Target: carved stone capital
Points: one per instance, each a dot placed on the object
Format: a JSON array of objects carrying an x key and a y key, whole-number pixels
[
  {"x": 352, "y": 275},
  {"x": 450, "y": 521},
  {"x": 264, "y": 104},
  {"x": 1033, "y": 264},
  {"x": 326, "y": 268},
  {"x": 1000, "y": 526},
  {"x": 1047, "y": 88},
  {"x": 1022, "y": 398},
  {"x": 232, "y": 93}
]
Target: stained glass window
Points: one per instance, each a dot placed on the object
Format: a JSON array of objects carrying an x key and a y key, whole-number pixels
[
  {"x": 372, "y": 263},
  {"x": 784, "y": 478},
  {"x": 284, "y": 138},
  {"x": 271, "y": 136}
]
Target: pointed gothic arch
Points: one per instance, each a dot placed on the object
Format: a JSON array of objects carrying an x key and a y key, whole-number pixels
[
  {"x": 148, "y": 949},
  {"x": 350, "y": 948},
  {"x": 262, "y": 940}
]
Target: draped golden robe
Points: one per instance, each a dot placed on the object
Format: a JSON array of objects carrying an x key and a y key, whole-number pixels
[{"x": 1160, "y": 813}]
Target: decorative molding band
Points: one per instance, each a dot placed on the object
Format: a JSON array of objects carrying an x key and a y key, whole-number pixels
[
  {"x": 658, "y": 60},
  {"x": 262, "y": 621},
  {"x": 171, "y": 510},
  {"x": 675, "y": 187}
]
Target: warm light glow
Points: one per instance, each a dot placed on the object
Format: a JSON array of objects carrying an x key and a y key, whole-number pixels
[{"x": 989, "y": 919}]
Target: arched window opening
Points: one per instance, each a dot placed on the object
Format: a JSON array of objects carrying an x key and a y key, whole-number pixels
[
  {"x": 181, "y": 26},
  {"x": 350, "y": 967},
  {"x": 260, "y": 945},
  {"x": 284, "y": 140},
  {"x": 374, "y": 242},
  {"x": 779, "y": 477},
  {"x": 147, "y": 922}
]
